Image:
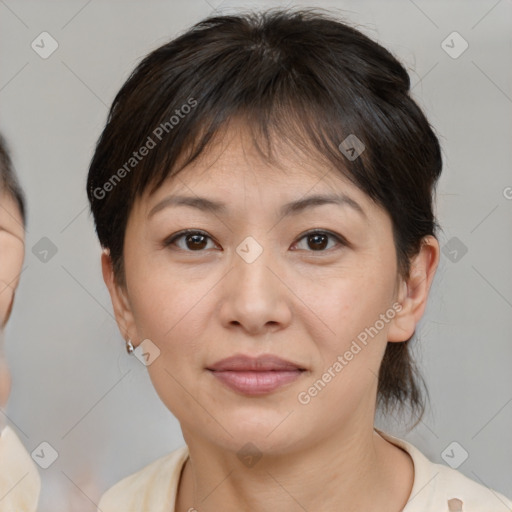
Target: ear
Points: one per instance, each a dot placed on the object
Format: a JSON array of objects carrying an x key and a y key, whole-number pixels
[
  {"x": 120, "y": 303},
  {"x": 413, "y": 293}
]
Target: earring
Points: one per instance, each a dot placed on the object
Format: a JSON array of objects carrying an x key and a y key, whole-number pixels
[{"x": 129, "y": 347}]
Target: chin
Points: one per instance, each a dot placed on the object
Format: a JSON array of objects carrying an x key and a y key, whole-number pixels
[{"x": 269, "y": 432}]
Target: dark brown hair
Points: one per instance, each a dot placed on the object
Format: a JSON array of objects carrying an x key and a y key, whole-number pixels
[
  {"x": 9, "y": 181},
  {"x": 295, "y": 75}
]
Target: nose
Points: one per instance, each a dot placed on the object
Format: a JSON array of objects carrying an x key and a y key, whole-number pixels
[{"x": 254, "y": 295}]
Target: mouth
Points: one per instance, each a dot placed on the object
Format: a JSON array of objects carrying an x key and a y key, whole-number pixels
[{"x": 255, "y": 376}]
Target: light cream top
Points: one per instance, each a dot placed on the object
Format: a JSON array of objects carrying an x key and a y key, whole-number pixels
[
  {"x": 436, "y": 487},
  {"x": 20, "y": 483}
]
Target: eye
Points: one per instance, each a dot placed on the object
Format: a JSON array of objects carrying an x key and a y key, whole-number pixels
[
  {"x": 318, "y": 240},
  {"x": 194, "y": 240}
]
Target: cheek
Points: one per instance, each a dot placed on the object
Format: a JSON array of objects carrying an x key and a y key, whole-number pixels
[
  {"x": 12, "y": 252},
  {"x": 168, "y": 310},
  {"x": 353, "y": 301},
  {"x": 350, "y": 358}
]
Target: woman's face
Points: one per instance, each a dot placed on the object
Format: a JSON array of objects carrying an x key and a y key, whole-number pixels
[
  {"x": 254, "y": 283},
  {"x": 12, "y": 252}
]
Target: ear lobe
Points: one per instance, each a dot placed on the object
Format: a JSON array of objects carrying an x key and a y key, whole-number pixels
[
  {"x": 118, "y": 296},
  {"x": 413, "y": 294}
]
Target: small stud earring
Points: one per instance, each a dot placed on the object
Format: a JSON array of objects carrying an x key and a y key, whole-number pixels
[{"x": 129, "y": 347}]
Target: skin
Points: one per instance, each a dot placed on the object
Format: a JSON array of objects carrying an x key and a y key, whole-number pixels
[
  {"x": 305, "y": 305},
  {"x": 12, "y": 253}
]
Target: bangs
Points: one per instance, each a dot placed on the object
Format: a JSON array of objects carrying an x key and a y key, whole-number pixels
[{"x": 300, "y": 130}]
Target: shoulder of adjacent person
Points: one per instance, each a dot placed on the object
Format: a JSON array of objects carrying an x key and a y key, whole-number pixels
[
  {"x": 20, "y": 483},
  {"x": 438, "y": 487},
  {"x": 152, "y": 488}
]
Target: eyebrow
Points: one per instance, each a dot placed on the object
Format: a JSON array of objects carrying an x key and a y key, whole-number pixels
[{"x": 292, "y": 208}]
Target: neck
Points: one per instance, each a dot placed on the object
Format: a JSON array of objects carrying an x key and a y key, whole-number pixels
[{"x": 344, "y": 474}]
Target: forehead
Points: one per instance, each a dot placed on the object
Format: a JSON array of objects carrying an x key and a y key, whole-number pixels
[
  {"x": 232, "y": 180},
  {"x": 232, "y": 163}
]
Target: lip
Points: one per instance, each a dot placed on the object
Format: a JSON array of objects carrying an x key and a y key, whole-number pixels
[
  {"x": 255, "y": 375},
  {"x": 263, "y": 363}
]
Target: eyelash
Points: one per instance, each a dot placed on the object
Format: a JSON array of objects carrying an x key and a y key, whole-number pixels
[{"x": 172, "y": 239}]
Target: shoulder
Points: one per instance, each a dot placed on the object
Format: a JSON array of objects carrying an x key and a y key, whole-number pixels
[
  {"x": 151, "y": 488},
  {"x": 439, "y": 487},
  {"x": 449, "y": 484},
  {"x": 20, "y": 483}
]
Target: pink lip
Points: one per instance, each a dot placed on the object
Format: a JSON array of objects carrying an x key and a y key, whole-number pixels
[{"x": 255, "y": 376}]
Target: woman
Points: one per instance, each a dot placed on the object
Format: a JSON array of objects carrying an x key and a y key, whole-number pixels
[
  {"x": 263, "y": 194},
  {"x": 19, "y": 480}
]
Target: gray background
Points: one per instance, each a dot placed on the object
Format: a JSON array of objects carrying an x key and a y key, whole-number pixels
[{"x": 73, "y": 384}]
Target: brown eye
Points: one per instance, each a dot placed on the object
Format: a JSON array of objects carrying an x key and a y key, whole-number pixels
[
  {"x": 194, "y": 241},
  {"x": 317, "y": 241}
]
